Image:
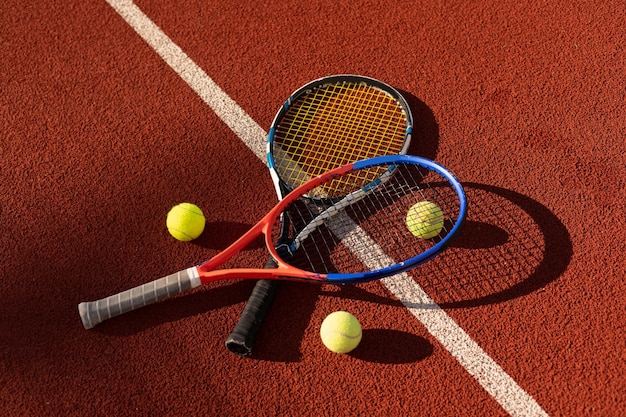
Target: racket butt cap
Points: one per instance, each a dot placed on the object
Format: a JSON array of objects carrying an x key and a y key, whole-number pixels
[{"x": 85, "y": 316}]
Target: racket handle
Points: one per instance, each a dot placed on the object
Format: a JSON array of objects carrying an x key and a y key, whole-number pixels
[
  {"x": 241, "y": 340},
  {"x": 95, "y": 312}
]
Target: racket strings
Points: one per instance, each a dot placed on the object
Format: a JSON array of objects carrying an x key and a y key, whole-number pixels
[
  {"x": 338, "y": 109},
  {"x": 368, "y": 232},
  {"x": 334, "y": 125},
  {"x": 351, "y": 114},
  {"x": 355, "y": 115}
]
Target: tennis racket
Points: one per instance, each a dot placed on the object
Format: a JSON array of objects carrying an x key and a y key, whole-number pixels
[
  {"x": 325, "y": 124},
  {"x": 360, "y": 235}
]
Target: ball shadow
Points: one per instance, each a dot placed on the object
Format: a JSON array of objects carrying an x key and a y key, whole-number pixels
[
  {"x": 387, "y": 346},
  {"x": 228, "y": 232},
  {"x": 480, "y": 235}
]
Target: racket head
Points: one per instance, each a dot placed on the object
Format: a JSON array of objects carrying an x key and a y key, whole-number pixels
[
  {"x": 333, "y": 121},
  {"x": 365, "y": 235}
]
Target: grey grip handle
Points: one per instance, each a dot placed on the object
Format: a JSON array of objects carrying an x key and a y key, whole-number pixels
[{"x": 95, "y": 312}]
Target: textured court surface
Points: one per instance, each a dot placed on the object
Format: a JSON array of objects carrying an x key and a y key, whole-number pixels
[{"x": 112, "y": 112}]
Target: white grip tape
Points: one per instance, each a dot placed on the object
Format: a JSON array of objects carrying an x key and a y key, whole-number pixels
[{"x": 95, "y": 312}]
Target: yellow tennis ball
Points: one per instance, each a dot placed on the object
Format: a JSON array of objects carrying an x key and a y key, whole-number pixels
[
  {"x": 341, "y": 332},
  {"x": 185, "y": 221},
  {"x": 424, "y": 220}
]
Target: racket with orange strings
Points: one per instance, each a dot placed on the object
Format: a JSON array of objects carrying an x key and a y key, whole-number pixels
[
  {"x": 325, "y": 124},
  {"x": 361, "y": 234}
]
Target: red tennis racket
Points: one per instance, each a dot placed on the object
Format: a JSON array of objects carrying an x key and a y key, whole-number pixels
[{"x": 360, "y": 235}]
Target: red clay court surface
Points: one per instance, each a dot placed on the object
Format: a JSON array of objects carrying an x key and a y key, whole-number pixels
[{"x": 102, "y": 134}]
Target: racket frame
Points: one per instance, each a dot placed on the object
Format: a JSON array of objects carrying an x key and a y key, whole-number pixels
[{"x": 277, "y": 179}]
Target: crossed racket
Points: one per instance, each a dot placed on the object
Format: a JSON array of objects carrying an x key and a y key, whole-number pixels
[
  {"x": 359, "y": 235},
  {"x": 337, "y": 220}
]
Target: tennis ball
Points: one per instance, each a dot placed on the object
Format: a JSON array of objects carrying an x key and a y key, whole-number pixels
[
  {"x": 424, "y": 220},
  {"x": 185, "y": 221},
  {"x": 340, "y": 332}
]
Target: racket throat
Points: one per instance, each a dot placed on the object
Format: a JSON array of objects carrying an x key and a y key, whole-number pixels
[{"x": 285, "y": 251}]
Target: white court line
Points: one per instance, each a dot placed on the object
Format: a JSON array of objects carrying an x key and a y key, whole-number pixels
[{"x": 483, "y": 368}]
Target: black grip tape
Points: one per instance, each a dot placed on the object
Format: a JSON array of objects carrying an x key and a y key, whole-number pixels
[{"x": 241, "y": 340}]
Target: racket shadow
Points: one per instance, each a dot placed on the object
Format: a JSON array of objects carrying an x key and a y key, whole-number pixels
[
  {"x": 425, "y": 137},
  {"x": 511, "y": 246}
]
